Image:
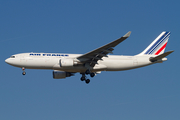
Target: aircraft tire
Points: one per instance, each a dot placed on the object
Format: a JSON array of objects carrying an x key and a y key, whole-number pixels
[
  {"x": 83, "y": 78},
  {"x": 87, "y": 81},
  {"x": 92, "y": 74},
  {"x": 23, "y": 73}
]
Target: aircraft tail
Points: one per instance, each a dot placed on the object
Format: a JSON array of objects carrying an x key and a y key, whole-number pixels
[{"x": 158, "y": 46}]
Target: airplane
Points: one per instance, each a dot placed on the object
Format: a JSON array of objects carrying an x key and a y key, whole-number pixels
[{"x": 93, "y": 62}]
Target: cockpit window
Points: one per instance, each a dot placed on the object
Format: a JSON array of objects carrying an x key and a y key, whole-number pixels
[{"x": 12, "y": 57}]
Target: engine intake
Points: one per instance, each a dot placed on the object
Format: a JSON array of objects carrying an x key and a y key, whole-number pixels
[{"x": 61, "y": 74}]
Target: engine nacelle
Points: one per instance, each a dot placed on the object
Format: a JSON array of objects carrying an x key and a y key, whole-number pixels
[
  {"x": 61, "y": 74},
  {"x": 66, "y": 62}
]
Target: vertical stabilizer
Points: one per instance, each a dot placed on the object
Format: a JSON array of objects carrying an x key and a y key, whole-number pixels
[{"x": 158, "y": 45}]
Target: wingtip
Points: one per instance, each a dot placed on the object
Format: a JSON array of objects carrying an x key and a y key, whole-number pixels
[{"x": 127, "y": 34}]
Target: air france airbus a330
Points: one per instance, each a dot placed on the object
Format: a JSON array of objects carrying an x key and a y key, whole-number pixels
[{"x": 92, "y": 63}]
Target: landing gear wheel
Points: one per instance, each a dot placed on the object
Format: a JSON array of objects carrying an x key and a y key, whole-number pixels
[
  {"x": 83, "y": 78},
  {"x": 23, "y": 73},
  {"x": 87, "y": 81},
  {"x": 92, "y": 74}
]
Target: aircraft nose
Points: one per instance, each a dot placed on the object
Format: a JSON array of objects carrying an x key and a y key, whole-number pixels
[
  {"x": 11, "y": 61},
  {"x": 7, "y": 60}
]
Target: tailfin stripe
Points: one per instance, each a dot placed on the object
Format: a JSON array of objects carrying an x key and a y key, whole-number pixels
[
  {"x": 157, "y": 43},
  {"x": 164, "y": 37},
  {"x": 160, "y": 44},
  {"x": 161, "y": 49}
]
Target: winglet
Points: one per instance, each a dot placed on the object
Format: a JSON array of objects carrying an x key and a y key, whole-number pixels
[{"x": 127, "y": 34}]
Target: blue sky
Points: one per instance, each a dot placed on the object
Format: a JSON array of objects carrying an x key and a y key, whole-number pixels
[{"x": 64, "y": 26}]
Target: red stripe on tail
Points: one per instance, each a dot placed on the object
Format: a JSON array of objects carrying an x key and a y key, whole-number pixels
[{"x": 162, "y": 48}]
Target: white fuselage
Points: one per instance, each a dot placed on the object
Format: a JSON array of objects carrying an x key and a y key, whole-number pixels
[
  {"x": 52, "y": 61},
  {"x": 93, "y": 62}
]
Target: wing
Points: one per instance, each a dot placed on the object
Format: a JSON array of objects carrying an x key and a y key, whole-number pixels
[{"x": 97, "y": 54}]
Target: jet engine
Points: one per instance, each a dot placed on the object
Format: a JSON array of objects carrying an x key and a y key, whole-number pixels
[
  {"x": 61, "y": 74},
  {"x": 67, "y": 62}
]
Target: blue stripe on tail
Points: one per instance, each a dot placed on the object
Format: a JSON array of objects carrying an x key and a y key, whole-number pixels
[{"x": 158, "y": 42}]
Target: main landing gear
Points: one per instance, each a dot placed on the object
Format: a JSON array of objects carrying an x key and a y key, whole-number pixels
[
  {"x": 83, "y": 78},
  {"x": 23, "y": 73}
]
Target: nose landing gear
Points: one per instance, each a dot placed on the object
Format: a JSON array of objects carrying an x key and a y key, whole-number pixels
[{"x": 23, "y": 73}]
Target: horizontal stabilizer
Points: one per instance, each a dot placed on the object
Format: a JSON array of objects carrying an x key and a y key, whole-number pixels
[{"x": 159, "y": 57}]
